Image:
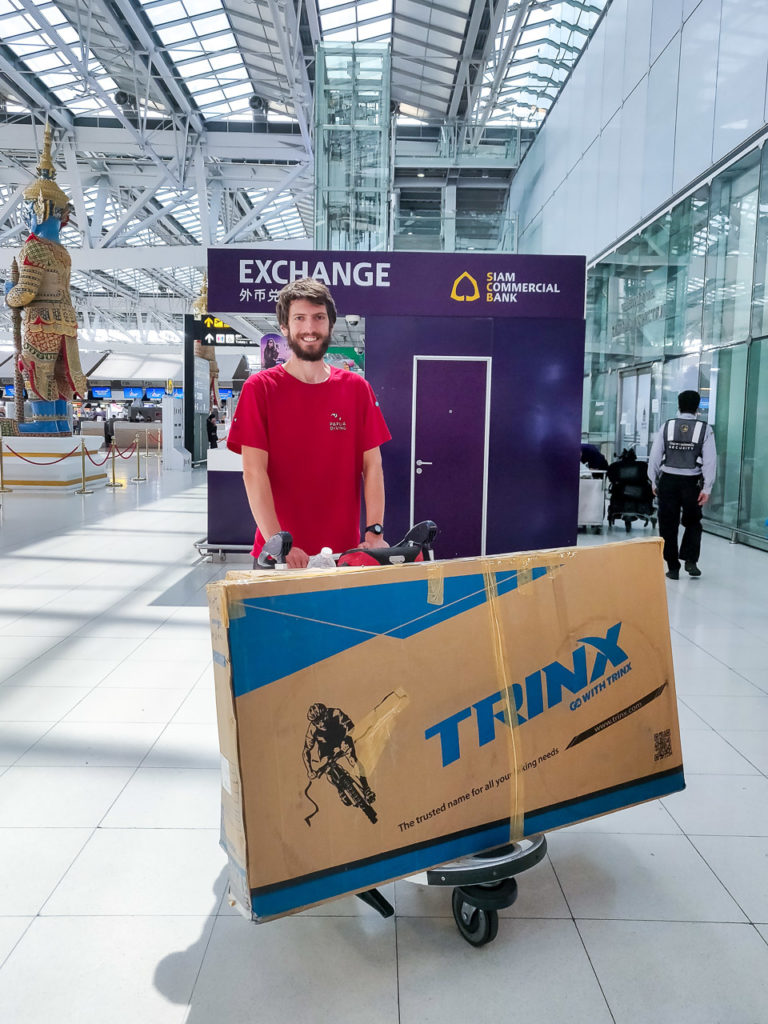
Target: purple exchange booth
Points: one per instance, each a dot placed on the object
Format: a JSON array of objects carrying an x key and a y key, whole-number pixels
[{"x": 477, "y": 362}]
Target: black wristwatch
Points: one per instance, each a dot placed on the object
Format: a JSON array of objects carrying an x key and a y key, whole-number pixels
[{"x": 376, "y": 528}]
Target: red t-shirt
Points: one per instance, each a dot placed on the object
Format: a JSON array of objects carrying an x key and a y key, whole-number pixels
[{"x": 315, "y": 436}]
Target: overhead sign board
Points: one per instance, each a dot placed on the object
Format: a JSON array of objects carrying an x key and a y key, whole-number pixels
[
  {"x": 403, "y": 283},
  {"x": 212, "y": 331}
]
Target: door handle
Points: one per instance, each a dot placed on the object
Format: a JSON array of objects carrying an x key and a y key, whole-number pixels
[{"x": 419, "y": 462}]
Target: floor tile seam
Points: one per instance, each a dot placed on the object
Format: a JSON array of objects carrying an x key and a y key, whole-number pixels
[
  {"x": 33, "y": 744},
  {"x": 722, "y": 663},
  {"x": 64, "y": 874},
  {"x": 749, "y": 732},
  {"x": 594, "y": 969},
  {"x": 92, "y": 915},
  {"x": 162, "y": 733},
  {"x": 4, "y": 960},
  {"x": 715, "y": 875},
  {"x": 703, "y": 922}
]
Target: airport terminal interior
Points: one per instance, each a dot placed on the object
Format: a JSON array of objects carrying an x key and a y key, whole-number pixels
[{"x": 629, "y": 136}]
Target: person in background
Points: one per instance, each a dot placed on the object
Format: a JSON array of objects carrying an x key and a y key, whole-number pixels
[
  {"x": 593, "y": 458},
  {"x": 309, "y": 434},
  {"x": 681, "y": 468},
  {"x": 213, "y": 436}
]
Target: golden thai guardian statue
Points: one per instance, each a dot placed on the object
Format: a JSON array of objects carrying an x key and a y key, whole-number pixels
[{"x": 50, "y": 361}]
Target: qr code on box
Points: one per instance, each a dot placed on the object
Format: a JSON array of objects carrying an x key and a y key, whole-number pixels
[{"x": 662, "y": 741}]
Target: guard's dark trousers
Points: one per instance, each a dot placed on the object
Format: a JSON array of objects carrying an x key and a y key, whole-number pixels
[{"x": 676, "y": 495}]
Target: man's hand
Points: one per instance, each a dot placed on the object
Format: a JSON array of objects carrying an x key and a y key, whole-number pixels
[
  {"x": 373, "y": 540},
  {"x": 703, "y": 498},
  {"x": 297, "y": 558}
]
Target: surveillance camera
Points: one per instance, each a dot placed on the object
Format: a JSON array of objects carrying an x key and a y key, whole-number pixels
[{"x": 352, "y": 319}]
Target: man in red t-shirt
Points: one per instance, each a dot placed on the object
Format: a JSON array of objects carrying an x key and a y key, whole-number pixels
[{"x": 309, "y": 435}]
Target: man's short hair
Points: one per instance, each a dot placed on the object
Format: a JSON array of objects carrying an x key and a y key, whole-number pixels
[
  {"x": 688, "y": 401},
  {"x": 305, "y": 288}
]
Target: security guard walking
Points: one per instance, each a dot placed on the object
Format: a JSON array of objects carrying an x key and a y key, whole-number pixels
[{"x": 681, "y": 468}]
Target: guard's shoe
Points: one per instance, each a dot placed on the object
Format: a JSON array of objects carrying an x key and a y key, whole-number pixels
[
  {"x": 673, "y": 574},
  {"x": 692, "y": 569}
]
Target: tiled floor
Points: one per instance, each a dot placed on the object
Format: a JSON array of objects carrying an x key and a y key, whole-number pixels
[{"x": 111, "y": 876}]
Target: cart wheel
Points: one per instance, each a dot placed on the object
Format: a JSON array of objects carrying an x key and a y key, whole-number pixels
[{"x": 477, "y": 926}]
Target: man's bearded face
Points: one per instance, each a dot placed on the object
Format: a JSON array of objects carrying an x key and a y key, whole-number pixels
[{"x": 308, "y": 331}]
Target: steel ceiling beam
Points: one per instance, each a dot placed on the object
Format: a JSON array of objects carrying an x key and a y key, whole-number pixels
[
  {"x": 513, "y": 38},
  {"x": 32, "y": 93},
  {"x": 134, "y": 26},
  {"x": 81, "y": 66},
  {"x": 286, "y": 28}
]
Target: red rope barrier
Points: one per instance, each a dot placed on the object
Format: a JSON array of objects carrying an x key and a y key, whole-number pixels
[
  {"x": 126, "y": 453},
  {"x": 32, "y": 461},
  {"x": 153, "y": 439},
  {"x": 106, "y": 457}
]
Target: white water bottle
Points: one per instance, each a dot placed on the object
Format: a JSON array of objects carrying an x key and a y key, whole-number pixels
[{"x": 324, "y": 560}]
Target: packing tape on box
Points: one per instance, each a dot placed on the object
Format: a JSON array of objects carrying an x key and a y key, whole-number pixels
[
  {"x": 373, "y": 732},
  {"x": 504, "y": 676}
]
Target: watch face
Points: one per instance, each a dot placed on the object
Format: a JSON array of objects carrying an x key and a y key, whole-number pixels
[{"x": 377, "y": 528}]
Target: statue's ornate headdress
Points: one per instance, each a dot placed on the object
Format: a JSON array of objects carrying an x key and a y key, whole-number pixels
[
  {"x": 200, "y": 305},
  {"x": 44, "y": 190}
]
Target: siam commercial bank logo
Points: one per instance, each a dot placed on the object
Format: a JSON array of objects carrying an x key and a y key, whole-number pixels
[{"x": 465, "y": 288}]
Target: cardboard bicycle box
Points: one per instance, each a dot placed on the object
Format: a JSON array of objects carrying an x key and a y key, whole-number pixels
[{"x": 374, "y": 722}]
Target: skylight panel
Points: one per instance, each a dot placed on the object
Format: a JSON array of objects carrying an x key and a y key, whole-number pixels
[
  {"x": 354, "y": 22},
  {"x": 162, "y": 14}
]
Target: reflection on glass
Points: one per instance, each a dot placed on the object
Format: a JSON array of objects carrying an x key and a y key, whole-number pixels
[
  {"x": 760, "y": 297},
  {"x": 731, "y": 252},
  {"x": 681, "y": 374},
  {"x": 687, "y": 253},
  {"x": 754, "y": 478},
  {"x": 722, "y": 384}
]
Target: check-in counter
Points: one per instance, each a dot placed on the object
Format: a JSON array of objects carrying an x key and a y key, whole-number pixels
[{"x": 150, "y": 434}]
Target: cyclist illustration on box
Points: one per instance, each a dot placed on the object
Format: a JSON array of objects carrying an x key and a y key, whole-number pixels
[{"x": 329, "y": 751}]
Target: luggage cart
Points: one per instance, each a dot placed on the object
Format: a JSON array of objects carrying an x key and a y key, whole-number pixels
[
  {"x": 484, "y": 883},
  {"x": 592, "y": 500},
  {"x": 631, "y": 495}
]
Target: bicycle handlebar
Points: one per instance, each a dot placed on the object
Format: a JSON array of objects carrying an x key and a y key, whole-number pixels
[{"x": 417, "y": 541}]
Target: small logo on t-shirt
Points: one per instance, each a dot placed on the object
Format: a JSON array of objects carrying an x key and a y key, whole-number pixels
[{"x": 337, "y": 423}]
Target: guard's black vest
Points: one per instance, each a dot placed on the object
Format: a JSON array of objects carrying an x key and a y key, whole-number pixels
[{"x": 683, "y": 443}]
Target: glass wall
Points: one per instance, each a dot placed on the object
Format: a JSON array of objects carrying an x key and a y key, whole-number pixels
[
  {"x": 684, "y": 304},
  {"x": 753, "y": 507}
]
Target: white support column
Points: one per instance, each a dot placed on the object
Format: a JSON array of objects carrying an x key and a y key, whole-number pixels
[
  {"x": 76, "y": 188},
  {"x": 449, "y": 218},
  {"x": 202, "y": 195}
]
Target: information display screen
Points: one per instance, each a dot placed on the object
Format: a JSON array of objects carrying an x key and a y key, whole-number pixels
[
  {"x": 201, "y": 398},
  {"x": 101, "y": 392},
  {"x": 133, "y": 392}
]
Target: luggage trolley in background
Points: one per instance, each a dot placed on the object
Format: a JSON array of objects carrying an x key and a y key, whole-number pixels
[
  {"x": 631, "y": 495},
  {"x": 484, "y": 883},
  {"x": 592, "y": 500}
]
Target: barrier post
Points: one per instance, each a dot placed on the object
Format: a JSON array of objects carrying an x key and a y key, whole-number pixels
[
  {"x": 3, "y": 488},
  {"x": 83, "y": 489},
  {"x": 138, "y": 478},
  {"x": 114, "y": 483},
  {"x": 159, "y": 451}
]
